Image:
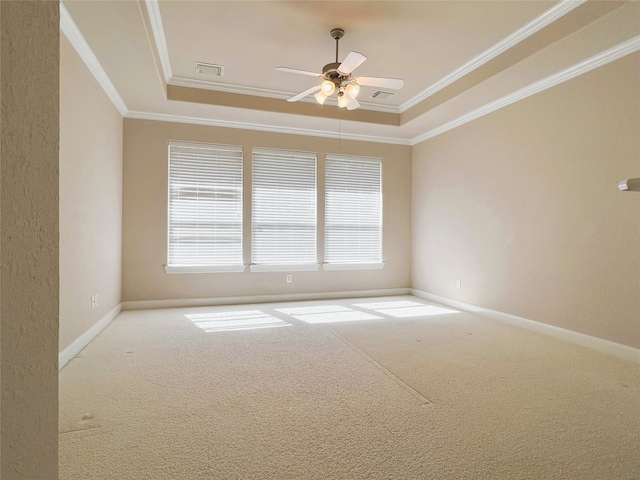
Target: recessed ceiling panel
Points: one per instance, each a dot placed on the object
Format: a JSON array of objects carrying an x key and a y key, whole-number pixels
[{"x": 419, "y": 42}]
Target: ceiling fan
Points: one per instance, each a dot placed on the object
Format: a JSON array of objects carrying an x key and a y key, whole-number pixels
[{"x": 336, "y": 76}]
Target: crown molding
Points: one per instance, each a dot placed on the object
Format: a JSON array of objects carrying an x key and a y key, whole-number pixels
[
  {"x": 153, "y": 8},
  {"x": 77, "y": 40},
  {"x": 164, "y": 117},
  {"x": 538, "y": 23},
  {"x": 622, "y": 49},
  {"x": 263, "y": 92},
  {"x": 160, "y": 39},
  {"x": 227, "y": 87}
]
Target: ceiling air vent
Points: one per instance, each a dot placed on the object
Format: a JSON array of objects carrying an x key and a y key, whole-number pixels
[
  {"x": 382, "y": 94},
  {"x": 209, "y": 69}
]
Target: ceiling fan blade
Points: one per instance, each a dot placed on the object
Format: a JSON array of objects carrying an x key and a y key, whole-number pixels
[
  {"x": 304, "y": 94},
  {"x": 295, "y": 70},
  {"x": 353, "y": 104},
  {"x": 392, "y": 83},
  {"x": 353, "y": 61}
]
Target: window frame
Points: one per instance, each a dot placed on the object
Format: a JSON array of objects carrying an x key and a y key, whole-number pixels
[
  {"x": 204, "y": 268},
  {"x": 365, "y": 265},
  {"x": 284, "y": 266}
]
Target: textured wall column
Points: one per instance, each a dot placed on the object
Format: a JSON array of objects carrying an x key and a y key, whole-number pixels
[{"x": 29, "y": 98}]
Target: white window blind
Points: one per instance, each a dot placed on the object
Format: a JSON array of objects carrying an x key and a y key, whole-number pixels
[
  {"x": 205, "y": 207},
  {"x": 353, "y": 210},
  {"x": 283, "y": 228}
]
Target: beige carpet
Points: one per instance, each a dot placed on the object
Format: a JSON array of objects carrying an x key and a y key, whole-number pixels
[{"x": 321, "y": 390}]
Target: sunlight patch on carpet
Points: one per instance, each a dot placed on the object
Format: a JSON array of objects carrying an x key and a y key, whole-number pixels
[
  {"x": 405, "y": 308},
  {"x": 327, "y": 314},
  {"x": 232, "y": 321}
]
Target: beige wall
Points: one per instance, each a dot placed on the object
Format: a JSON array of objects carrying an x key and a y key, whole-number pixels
[
  {"x": 29, "y": 86},
  {"x": 522, "y": 205},
  {"x": 90, "y": 198},
  {"x": 145, "y": 216}
]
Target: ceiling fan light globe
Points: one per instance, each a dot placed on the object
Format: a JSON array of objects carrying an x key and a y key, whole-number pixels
[
  {"x": 343, "y": 100},
  {"x": 352, "y": 90},
  {"x": 328, "y": 87},
  {"x": 320, "y": 97}
]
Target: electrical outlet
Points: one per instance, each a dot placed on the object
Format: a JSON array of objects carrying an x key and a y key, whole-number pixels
[
  {"x": 289, "y": 279},
  {"x": 458, "y": 283}
]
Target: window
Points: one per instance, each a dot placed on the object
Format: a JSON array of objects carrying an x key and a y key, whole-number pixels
[
  {"x": 205, "y": 208},
  {"x": 283, "y": 229},
  {"x": 353, "y": 212}
]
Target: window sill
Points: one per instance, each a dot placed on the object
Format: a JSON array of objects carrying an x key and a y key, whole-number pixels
[
  {"x": 310, "y": 267},
  {"x": 353, "y": 266},
  {"x": 177, "y": 269}
]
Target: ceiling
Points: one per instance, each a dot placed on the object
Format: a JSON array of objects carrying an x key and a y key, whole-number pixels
[{"x": 454, "y": 57}]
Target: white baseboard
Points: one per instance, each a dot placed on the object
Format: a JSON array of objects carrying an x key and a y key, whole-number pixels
[
  {"x": 285, "y": 297},
  {"x": 604, "y": 346},
  {"x": 83, "y": 340}
]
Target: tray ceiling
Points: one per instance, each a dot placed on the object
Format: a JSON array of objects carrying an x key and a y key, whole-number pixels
[{"x": 453, "y": 56}]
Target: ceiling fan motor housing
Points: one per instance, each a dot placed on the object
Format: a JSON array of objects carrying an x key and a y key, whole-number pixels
[{"x": 330, "y": 72}]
